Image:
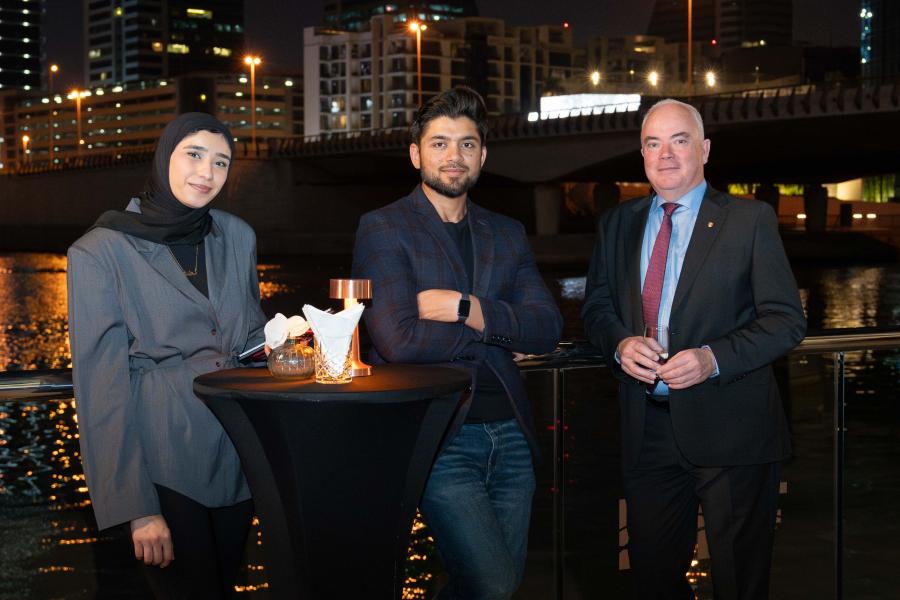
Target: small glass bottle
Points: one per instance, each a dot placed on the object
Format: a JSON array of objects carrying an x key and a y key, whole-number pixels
[{"x": 293, "y": 359}]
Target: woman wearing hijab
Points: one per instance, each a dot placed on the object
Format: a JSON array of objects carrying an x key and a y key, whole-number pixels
[{"x": 160, "y": 293}]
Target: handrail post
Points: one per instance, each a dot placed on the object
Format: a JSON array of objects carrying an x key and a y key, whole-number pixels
[
  {"x": 840, "y": 433},
  {"x": 559, "y": 483}
]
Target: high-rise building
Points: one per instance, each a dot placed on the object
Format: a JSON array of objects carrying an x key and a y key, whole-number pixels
[
  {"x": 880, "y": 39},
  {"x": 117, "y": 121},
  {"x": 731, "y": 23},
  {"x": 20, "y": 44},
  {"x": 364, "y": 80},
  {"x": 751, "y": 23},
  {"x": 670, "y": 20},
  {"x": 150, "y": 39},
  {"x": 354, "y": 15}
]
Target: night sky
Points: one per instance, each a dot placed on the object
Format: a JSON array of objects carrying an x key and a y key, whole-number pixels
[{"x": 275, "y": 27}]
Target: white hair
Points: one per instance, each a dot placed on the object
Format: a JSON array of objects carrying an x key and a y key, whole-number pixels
[{"x": 667, "y": 101}]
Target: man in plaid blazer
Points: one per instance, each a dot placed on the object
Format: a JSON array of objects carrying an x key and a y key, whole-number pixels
[{"x": 455, "y": 283}]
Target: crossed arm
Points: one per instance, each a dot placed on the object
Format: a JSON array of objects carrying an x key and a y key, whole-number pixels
[{"x": 408, "y": 325}]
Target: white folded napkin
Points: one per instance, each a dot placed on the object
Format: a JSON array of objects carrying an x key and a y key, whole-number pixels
[
  {"x": 280, "y": 327},
  {"x": 333, "y": 333}
]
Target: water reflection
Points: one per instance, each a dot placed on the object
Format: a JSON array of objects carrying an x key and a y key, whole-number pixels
[
  {"x": 836, "y": 297},
  {"x": 51, "y": 547},
  {"x": 33, "y": 326}
]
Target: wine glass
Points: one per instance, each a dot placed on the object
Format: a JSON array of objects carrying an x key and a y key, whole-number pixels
[{"x": 660, "y": 333}]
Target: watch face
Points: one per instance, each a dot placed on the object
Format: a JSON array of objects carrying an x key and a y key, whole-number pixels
[{"x": 463, "y": 310}]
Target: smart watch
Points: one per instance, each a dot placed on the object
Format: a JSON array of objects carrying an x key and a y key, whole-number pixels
[{"x": 462, "y": 312}]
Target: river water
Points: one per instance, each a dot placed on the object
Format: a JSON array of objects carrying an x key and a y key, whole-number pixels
[{"x": 50, "y": 548}]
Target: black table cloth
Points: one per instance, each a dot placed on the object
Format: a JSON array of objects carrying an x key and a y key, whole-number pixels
[{"x": 336, "y": 471}]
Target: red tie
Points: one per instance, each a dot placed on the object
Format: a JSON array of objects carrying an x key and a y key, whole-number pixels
[{"x": 656, "y": 270}]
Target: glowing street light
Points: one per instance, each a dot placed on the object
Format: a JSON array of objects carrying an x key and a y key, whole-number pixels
[
  {"x": 653, "y": 78},
  {"x": 77, "y": 95},
  {"x": 418, "y": 28},
  {"x": 710, "y": 79},
  {"x": 54, "y": 69},
  {"x": 595, "y": 77},
  {"x": 25, "y": 140},
  {"x": 252, "y": 61}
]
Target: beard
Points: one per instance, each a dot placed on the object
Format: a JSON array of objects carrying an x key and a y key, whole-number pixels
[{"x": 454, "y": 189}]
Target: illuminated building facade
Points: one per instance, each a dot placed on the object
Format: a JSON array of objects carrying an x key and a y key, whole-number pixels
[
  {"x": 880, "y": 39},
  {"x": 119, "y": 120},
  {"x": 20, "y": 44},
  {"x": 354, "y": 15},
  {"x": 365, "y": 80},
  {"x": 732, "y": 23},
  {"x": 136, "y": 40}
]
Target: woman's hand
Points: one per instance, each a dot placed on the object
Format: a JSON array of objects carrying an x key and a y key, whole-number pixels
[{"x": 152, "y": 541}]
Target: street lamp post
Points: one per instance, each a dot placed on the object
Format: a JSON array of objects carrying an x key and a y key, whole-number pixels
[
  {"x": 690, "y": 57},
  {"x": 252, "y": 61},
  {"x": 53, "y": 70},
  {"x": 418, "y": 28},
  {"x": 77, "y": 95}
]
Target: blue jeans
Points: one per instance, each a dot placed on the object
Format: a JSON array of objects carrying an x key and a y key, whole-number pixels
[{"x": 478, "y": 505}]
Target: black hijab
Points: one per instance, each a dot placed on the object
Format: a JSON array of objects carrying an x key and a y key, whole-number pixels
[{"x": 163, "y": 219}]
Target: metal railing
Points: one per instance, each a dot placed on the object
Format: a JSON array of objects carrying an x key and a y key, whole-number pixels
[{"x": 569, "y": 357}]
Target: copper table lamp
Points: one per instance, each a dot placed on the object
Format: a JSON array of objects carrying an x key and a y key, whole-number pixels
[{"x": 351, "y": 291}]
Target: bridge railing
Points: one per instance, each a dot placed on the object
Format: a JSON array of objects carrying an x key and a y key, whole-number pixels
[{"x": 571, "y": 392}]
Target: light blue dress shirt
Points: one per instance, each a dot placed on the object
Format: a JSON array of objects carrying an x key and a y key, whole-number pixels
[{"x": 683, "y": 220}]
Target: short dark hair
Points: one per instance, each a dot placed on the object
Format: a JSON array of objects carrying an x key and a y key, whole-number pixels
[{"x": 460, "y": 101}]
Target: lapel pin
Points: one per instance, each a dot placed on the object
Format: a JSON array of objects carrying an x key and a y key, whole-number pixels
[{"x": 709, "y": 225}]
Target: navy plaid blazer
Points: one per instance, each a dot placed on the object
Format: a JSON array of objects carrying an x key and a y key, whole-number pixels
[{"x": 404, "y": 248}]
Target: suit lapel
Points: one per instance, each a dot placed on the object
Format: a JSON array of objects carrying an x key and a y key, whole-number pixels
[
  {"x": 634, "y": 238},
  {"x": 483, "y": 251},
  {"x": 163, "y": 262},
  {"x": 710, "y": 220},
  {"x": 217, "y": 263},
  {"x": 431, "y": 221}
]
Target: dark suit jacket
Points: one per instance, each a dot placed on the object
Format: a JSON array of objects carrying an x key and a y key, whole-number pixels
[
  {"x": 737, "y": 294},
  {"x": 404, "y": 248}
]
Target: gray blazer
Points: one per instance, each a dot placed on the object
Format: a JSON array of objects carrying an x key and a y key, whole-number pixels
[{"x": 140, "y": 333}]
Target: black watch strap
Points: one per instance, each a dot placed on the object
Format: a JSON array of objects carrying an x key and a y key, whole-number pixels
[{"x": 462, "y": 311}]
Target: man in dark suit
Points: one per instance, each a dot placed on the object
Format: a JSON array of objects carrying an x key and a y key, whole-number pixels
[
  {"x": 705, "y": 426},
  {"x": 455, "y": 283}
]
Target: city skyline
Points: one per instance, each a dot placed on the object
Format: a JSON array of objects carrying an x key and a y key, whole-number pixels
[{"x": 275, "y": 27}]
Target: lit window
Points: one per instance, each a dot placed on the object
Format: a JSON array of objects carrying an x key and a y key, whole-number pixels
[
  {"x": 95, "y": 53},
  {"x": 119, "y": 11},
  {"x": 199, "y": 13},
  {"x": 178, "y": 49},
  {"x": 221, "y": 51},
  {"x": 157, "y": 46}
]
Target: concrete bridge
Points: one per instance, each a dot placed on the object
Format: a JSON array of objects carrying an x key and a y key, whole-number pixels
[
  {"x": 802, "y": 134},
  {"x": 306, "y": 195}
]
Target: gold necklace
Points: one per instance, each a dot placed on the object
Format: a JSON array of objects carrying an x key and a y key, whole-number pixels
[{"x": 193, "y": 272}]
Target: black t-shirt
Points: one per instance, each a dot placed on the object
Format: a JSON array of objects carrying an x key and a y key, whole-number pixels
[
  {"x": 490, "y": 401},
  {"x": 192, "y": 259}
]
